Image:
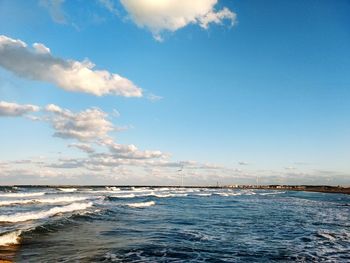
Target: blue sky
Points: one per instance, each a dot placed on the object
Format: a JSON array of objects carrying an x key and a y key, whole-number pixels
[{"x": 265, "y": 92}]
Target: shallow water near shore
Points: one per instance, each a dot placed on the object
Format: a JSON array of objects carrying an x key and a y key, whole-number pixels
[{"x": 109, "y": 224}]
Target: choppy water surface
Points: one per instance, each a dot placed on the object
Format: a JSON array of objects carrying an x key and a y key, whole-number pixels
[{"x": 109, "y": 224}]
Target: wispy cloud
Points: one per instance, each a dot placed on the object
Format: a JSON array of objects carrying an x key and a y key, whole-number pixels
[
  {"x": 79, "y": 76},
  {"x": 290, "y": 168},
  {"x": 55, "y": 10},
  {"x": 14, "y": 109},
  {"x": 109, "y": 4},
  {"x": 153, "y": 97},
  {"x": 83, "y": 147}
]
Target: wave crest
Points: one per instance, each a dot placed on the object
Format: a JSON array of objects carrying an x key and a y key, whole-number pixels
[
  {"x": 142, "y": 204},
  {"x": 10, "y": 238},
  {"x": 20, "y": 217},
  {"x": 62, "y": 199},
  {"x": 22, "y": 194},
  {"x": 68, "y": 190}
]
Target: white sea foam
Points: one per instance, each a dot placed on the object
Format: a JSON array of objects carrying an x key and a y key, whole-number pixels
[
  {"x": 62, "y": 199},
  {"x": 10, "y": 238},
  {"x": 193, "y": 190},
  {"x": 272, "y": 193},
  {"x": 108, "y": 191},
  {"x": 179, "y": 195},
  {"x": 19, "y": 217},
  {"x": 326, "y": 235},
  {"x": 234, "y": 194},
  {"x": 162, "y": 195},
  {"x": 100, "y": 192},
  {"x": 140, "y": 191},
  {"x": 163, "y": 189},
  {"x": 111, "y": 257},
  {"x": 22, "y": 194},
  {"x": 14, "y": 202},
  {"x": 204, "y": 194},
  {"x": 68, "y": 190},
  {"x": 169, "y": 195},
  {"x": 228, "y": 194},
  {"x": 248, "y": 193},
  {"x": 141, "y": 205}
]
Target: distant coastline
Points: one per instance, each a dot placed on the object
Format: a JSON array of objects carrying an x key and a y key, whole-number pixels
[{"x": 307, "y": 188}]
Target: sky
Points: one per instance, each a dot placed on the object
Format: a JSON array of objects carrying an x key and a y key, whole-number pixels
[{"x": 146, "y": 92}]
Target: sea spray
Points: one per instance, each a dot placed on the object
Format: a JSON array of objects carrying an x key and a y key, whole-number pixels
[{"x": 10, "y": 238}]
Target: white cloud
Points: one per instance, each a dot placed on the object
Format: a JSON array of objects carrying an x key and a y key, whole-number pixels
[
  {"x": 14, "y": 109},
  {"x": 170, "y": 15},
  {"x": 88, "y": 125},
  {"x": 92, "y": 125},
  {"x": 78, "y": 76},
  {"x": 41, "y": 48},
  {"x": 91, "y": 128},
  {"x": 131, "y": 151}
]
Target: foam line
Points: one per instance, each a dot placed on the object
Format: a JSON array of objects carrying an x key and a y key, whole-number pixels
[
  {"x": 22, "y": 194},
  {"x": 141, "y": 205}
]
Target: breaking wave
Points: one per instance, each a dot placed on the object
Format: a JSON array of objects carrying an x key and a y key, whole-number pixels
[
  {"x": 228, "y": 194},
  {"x": 62, "y": 199},
  {"x": 204, "y": 194},
  {"x": 68, "y": 190},
  {"x": 10, "y": 238},
  {"x": 142, "y": 204},
  {"x": 20, "y": 217},
  {"x": 22, "y": 194}
]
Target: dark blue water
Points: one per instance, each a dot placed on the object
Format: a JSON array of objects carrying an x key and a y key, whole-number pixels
[{"x": 173, "y": 225}]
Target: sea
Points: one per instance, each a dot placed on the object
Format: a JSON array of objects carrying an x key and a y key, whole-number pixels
[{"x": 152, "y": 224}]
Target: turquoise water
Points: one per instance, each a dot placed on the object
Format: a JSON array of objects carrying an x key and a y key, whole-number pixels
[{"x": 173, "y": 225}]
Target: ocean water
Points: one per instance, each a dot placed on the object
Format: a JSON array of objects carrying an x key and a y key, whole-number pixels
[{"x": 110, "y": 224}]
